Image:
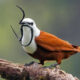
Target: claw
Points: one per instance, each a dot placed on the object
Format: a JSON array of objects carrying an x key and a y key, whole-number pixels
[
  {"x": 28, "y": 64},
  {"x": 55, "y": 65}
]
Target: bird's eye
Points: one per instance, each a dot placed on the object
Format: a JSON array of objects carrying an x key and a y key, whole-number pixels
[{"x": 30, "y": 23}]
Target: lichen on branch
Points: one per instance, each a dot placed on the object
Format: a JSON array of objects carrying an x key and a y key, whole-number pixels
[{"x": 35, "y": 71}]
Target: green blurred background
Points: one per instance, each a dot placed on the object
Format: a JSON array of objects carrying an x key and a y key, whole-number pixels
[{"x": 59, "y": 17}]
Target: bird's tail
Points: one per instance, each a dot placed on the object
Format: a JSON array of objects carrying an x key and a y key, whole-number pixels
[{"x": 77, "y": 48}]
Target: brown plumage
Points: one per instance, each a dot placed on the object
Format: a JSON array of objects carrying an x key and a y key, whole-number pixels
[{"x": 50, "y": 47}]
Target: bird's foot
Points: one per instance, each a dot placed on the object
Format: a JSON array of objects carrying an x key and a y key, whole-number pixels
[
  {"x": 28, "y": 64},
  {"x": 55, "y": 66}
]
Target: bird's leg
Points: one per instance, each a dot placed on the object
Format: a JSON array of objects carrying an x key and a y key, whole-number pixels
[
  {"x": 41, "y": 62},
  {"x": 57, "y": 65},
  {"x": 28, "y": 64}
]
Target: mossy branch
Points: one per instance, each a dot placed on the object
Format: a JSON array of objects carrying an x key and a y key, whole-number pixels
[{"x": 13, "y": 71}]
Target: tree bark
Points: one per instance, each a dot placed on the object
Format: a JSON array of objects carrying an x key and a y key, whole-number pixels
[{"x": 35, "y": 71}]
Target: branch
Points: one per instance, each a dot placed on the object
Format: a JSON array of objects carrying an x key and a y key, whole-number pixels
[{"x": 35, "y": 71}]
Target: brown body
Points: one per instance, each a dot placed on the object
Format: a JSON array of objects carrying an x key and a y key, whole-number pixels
[{"x": 50, "y": 47}]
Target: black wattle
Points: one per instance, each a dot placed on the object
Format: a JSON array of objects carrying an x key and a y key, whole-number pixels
[
  {"x": 31, "y": 37},
  {"x": 31, "y": 34},
  {"x": 21, "y": 33}
]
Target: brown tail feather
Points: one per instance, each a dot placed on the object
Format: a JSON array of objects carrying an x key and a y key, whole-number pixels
[{"x": 77, "y": 47}]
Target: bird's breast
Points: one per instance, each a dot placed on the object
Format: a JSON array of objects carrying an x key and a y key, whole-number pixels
[
  {"x": 31, "y": 48},
  {"x": 26, "y": 35}
]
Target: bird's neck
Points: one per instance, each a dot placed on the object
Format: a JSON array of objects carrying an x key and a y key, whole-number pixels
[{"x": 27, "y": 34}]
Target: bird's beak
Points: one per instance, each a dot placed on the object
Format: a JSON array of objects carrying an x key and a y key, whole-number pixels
[{"x": 21, "y": 23}]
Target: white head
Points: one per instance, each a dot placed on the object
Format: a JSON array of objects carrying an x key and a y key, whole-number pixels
[
  {"x": 30, "y": 23},
  {"x": 29, "y": 31}
]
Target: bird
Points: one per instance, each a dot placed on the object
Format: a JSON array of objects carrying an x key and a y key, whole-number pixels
[{"x": 42, "y": 45}]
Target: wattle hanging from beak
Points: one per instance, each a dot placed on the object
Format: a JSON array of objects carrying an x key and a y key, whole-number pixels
[{"x": 22, "y": 34}]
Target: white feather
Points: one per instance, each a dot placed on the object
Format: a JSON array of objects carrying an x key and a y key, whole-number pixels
[{"x": 27, "y": 37}]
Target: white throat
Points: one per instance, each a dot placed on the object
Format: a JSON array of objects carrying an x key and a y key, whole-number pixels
[{"x": 27, "y": 37}]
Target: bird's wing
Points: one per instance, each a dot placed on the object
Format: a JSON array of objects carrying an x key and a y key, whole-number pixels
[{"x": 52, "y": 43}]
